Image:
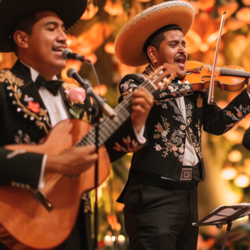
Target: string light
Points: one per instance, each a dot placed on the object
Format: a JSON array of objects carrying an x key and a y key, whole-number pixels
[
  {"x": 242, "y": 181},
  {"x": 235, "y": 156},
  {"x": 109, "y": 48},
  {"x": 228, "y": 173}
]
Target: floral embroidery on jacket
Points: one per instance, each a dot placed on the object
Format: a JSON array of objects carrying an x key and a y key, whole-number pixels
[
  {"x": 13, "y": 86},
  {"x": 179, "y": 117},
  {"x": 241, "y": 113},
  {"x": 199, "y": 101},
  {"x": 33, "y": 106},
  {"x": 189, "y": 108},
  {"x": 231, "y": 115},
  {"x": 195, "y": 142},
  {"x": 128, "y": 87},
  {"x": 21, "y": 138},
  {"x": 174, "y": 144},
  {"x": 131, "y": 145},
  {"x": 173, "y": 90},
  {"x": 229, "y": 126}
]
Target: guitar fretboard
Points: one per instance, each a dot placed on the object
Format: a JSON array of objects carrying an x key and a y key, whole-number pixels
[{"x": 108, "y": 126}]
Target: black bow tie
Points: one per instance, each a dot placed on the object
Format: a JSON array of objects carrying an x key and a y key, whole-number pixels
[{"x": 51, "y": 86}]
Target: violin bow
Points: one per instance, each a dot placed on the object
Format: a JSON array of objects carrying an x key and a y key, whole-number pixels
[{"x": 211, "y": 86}]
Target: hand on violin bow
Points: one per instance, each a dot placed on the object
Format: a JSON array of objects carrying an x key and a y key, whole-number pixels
[{"x": 165, "y": 74}]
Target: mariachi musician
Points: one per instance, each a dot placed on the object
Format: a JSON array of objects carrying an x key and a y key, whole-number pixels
[
  {"x": 33, "y": 100},
  {"x": 160, "y": 196}
]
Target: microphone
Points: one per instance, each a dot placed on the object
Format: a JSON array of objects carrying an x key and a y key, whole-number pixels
[
  {"x": 86, "y": 84},
  {"x": 68, "y": 54},
  {"x": 72, "y": 73}
]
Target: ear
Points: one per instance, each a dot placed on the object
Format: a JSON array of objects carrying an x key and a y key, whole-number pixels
[
  {"x": 152, "y": 54},
  {"x": 21, "y": 39}
]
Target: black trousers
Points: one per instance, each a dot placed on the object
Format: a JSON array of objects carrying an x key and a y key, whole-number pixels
[{"x": 161, "y": 219}]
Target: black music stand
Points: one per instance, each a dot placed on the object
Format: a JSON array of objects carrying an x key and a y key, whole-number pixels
[{"x": 225, "y": 215}]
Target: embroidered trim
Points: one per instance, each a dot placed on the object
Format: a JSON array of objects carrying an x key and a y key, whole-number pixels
[
  {"x": 195, "y": 142},
  {"x": 14, "y": 82},
  {"x": 131, "y": 145},
  {"x": 174, "y": 144},
  {"x": 241, "y": 113}
]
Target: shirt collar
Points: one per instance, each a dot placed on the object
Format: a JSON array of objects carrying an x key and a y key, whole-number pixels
[{"x": 33, "y": 73}]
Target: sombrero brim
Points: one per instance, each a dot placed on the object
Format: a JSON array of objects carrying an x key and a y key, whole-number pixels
[
  {"x": 131, "y": 38},
  {"x": 11, "y": 11}
]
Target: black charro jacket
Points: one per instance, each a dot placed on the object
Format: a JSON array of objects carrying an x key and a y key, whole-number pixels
[
  {"x": 167, "y": 129},
  {"x": 24, "y": 119}
]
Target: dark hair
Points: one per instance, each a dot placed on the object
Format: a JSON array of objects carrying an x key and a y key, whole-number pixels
[
  {"x": 26, "y": 25},
  {"x": 157, "y": 37},
  {"x": 155, "y": 42}
]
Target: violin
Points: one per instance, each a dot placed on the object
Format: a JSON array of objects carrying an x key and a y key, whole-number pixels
[
  {"x": 202, "y": 76},
  {"x": 229, "y": 78}
]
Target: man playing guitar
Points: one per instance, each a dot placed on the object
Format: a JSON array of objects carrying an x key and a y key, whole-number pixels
[{"x": 35, "y": 31}]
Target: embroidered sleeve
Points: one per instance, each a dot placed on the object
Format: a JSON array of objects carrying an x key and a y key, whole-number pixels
[
  {"x": 127, "y": 87},
  {"x": 124, "y": 141},
  {"x": 130, "y": 145},
  {"x": 173, "y": 90},
  {"x": 218, "y": 121},
  {"x": 130, "y": 82}
]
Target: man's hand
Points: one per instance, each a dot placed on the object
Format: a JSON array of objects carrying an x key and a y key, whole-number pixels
[
  {"x": 73, "y": 161},
  {"x": 142, "y": 102}
]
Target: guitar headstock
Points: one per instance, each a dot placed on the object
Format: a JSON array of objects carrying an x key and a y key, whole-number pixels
[{"x": 163, "y": 76}]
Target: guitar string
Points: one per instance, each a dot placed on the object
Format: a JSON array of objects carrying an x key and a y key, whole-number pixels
[
  {"x": 108, "y": 123},
  {"x": 108, "y": 126}
]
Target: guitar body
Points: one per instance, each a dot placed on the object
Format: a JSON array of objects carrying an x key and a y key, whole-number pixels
[{"x": 25, "y": 218}]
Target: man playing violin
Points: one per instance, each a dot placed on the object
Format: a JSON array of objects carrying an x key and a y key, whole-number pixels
[
  {"x": 160, "y": 195},
  {"x": 31, "y": 104}
]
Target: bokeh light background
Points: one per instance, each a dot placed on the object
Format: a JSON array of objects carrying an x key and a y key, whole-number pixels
[{"x": 227, "y": 161}]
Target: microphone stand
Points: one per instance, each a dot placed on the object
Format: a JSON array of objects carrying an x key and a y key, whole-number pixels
[
  {"x": 95, "y": 113},
  {"x": 96, "y": 218}
]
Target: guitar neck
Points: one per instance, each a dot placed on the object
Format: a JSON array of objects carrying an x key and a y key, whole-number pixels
[{"x": 108, "y": 126}]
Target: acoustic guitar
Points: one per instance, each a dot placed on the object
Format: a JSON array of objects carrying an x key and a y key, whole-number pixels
[{"x": 26, "y": 223}]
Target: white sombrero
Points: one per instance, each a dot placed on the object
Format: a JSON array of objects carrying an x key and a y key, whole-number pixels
[{"x": 132, "y": 37}]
